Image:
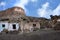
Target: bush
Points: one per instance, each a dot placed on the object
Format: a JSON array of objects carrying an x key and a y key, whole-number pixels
[{"x": 5, "y": 30}]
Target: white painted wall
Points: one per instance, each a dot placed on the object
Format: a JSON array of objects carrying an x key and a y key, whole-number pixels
[
  {"x": 6, "y": 26},
  {"x": 11, "y": 27}
]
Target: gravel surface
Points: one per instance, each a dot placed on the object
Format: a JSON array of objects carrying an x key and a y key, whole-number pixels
[{"x": 39, "y": 35}]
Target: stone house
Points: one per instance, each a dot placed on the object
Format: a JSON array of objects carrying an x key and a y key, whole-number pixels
[{"x": 14, "y": 19}]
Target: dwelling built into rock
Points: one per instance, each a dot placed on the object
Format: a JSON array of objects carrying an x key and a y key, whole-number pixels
[{"x": 14, "y": 19}]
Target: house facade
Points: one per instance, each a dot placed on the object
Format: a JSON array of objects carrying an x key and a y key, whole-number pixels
[{"x": 8, "y": 26}]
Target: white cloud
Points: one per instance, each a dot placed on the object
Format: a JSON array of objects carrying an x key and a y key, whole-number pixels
[
  {"x": 45, "y": 11},
  {"x": 2, "y": 4},
  {"x": 57, "y": 10},
  {"x": 34, "y": 0},
  {"x": 22, "y": 3}
]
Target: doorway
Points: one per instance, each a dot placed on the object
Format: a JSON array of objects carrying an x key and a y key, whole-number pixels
[{"x": 14, "y": 26}]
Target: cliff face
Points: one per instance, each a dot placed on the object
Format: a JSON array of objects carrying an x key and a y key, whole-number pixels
[{"x": 12, "y": 11}]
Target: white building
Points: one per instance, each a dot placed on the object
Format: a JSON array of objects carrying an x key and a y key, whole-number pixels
[{"x": 9, "y": 26}]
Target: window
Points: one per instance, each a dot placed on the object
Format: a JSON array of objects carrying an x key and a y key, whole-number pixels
[
  {"x": 14, "y": 26},
  {"x": 3, "y": 25},
  {"x": 24, "y": 19},
  {"x": 34, "y": 25}
]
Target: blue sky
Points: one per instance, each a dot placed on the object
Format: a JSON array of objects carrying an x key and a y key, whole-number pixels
[{"x": 36, "y": 8}]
